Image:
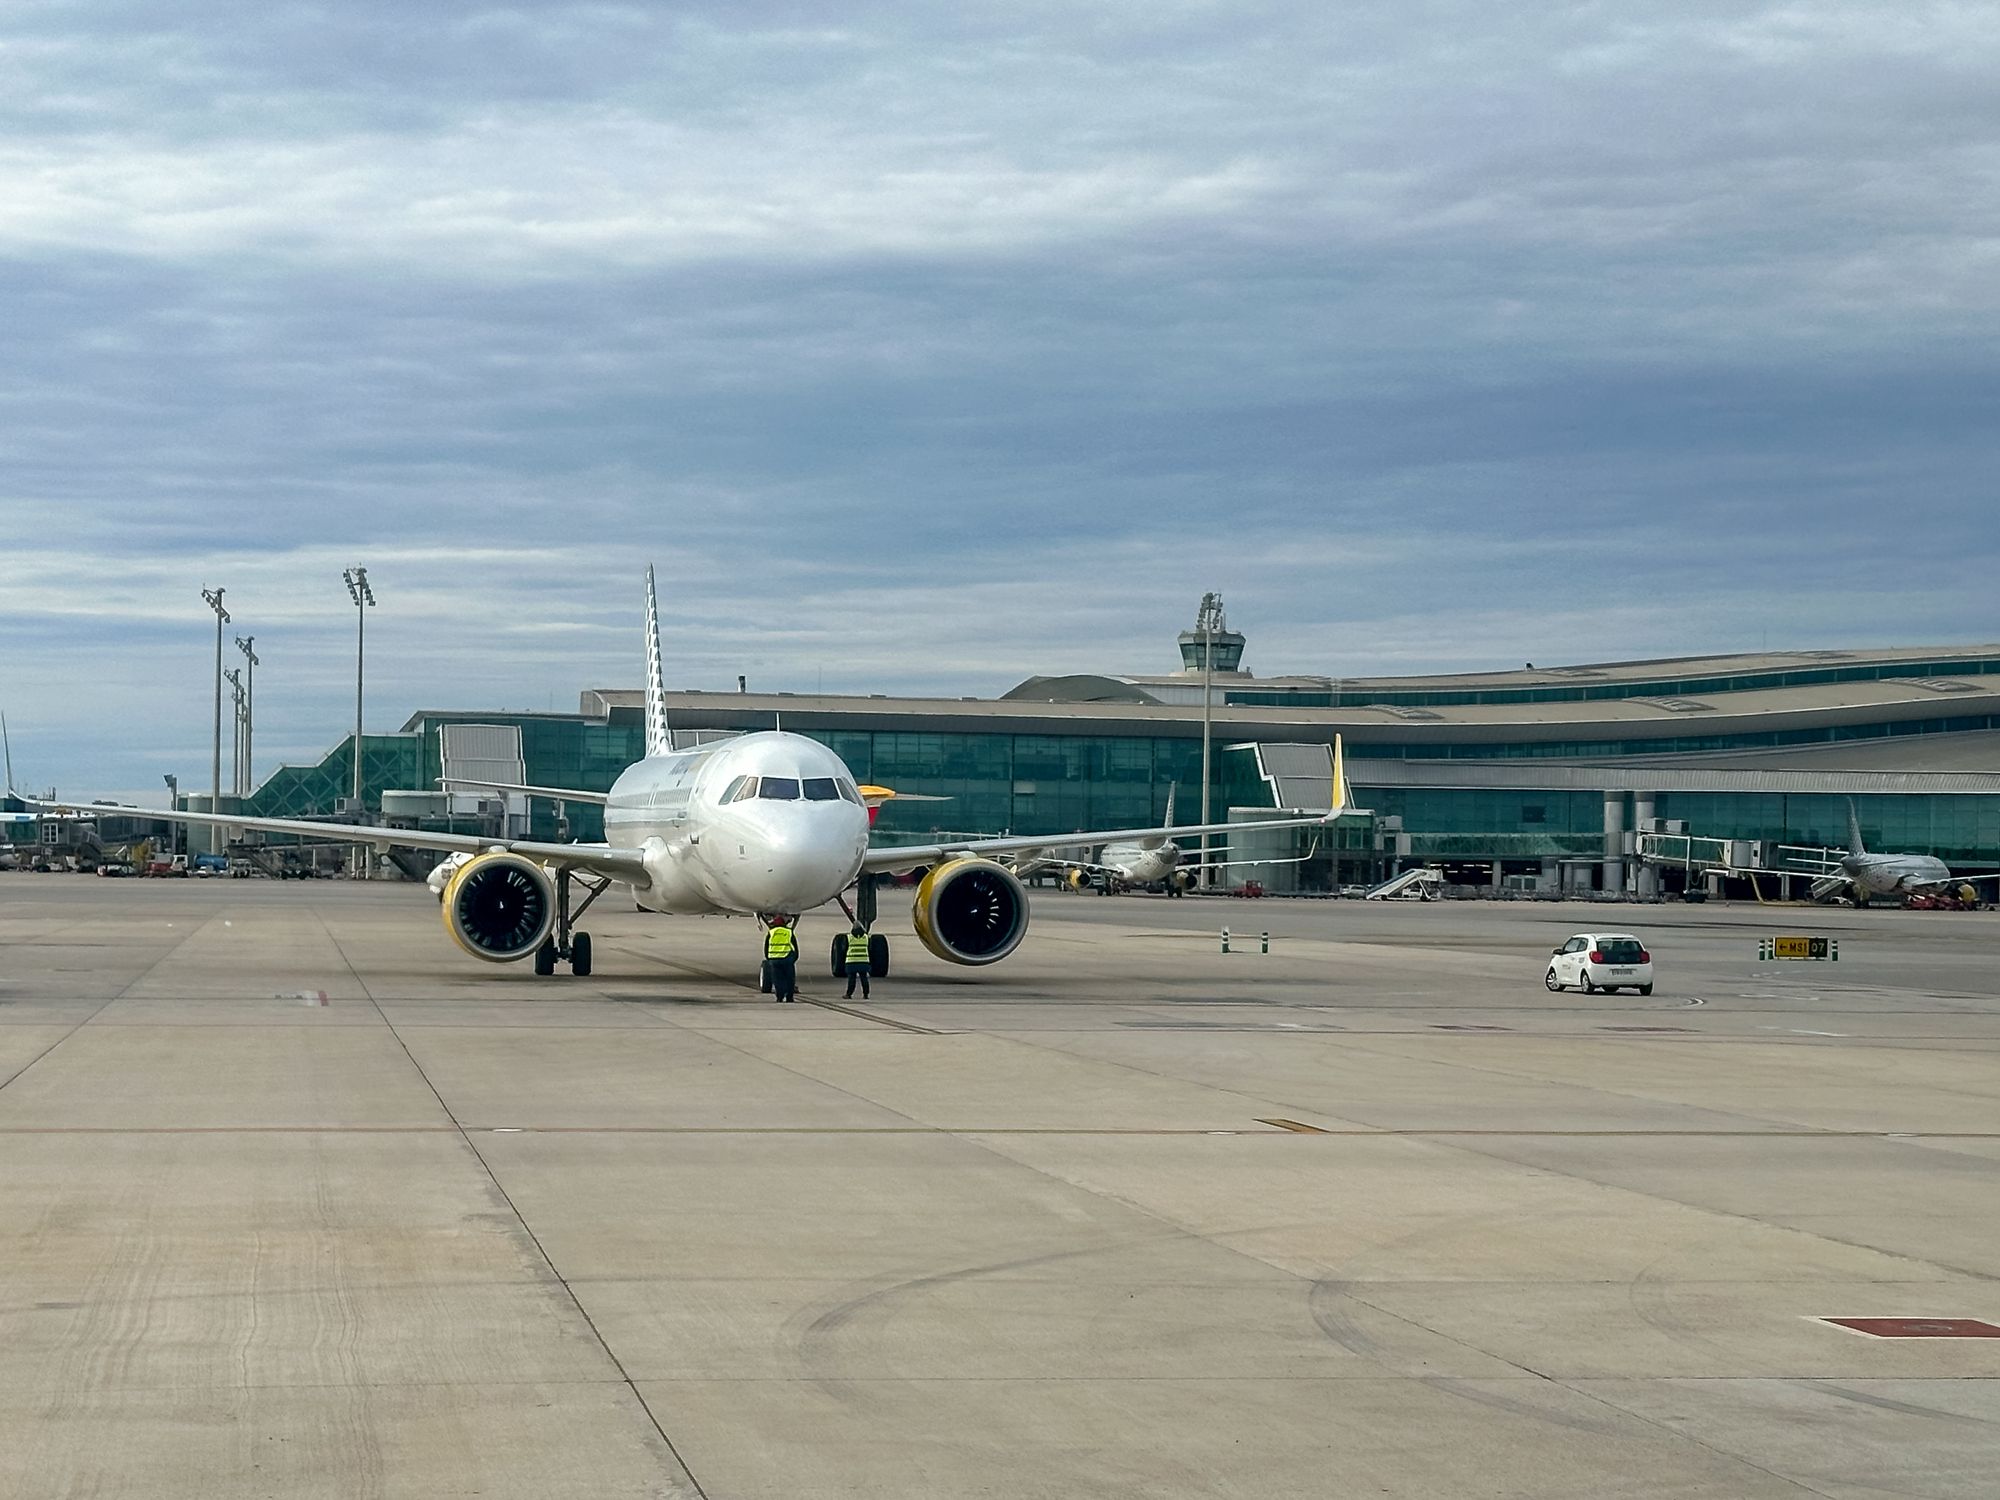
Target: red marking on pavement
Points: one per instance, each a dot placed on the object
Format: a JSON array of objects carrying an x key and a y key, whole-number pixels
[{"x": 1919, "y": 1328}]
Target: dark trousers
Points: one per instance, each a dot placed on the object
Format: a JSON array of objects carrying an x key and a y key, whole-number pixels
[
  {"x": 785, "y": 977},
  {"x": 857, "y": 971}
]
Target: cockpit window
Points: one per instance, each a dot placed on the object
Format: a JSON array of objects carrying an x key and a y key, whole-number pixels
[
  {"x": 821, "y": 789},
  {"x": 778, "y": 789},
  {"x": 741, "y": 788},
  {"x": 847, "y": 791}
]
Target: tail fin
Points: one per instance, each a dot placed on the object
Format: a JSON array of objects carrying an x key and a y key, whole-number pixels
[
  {"x": 659, "y": 736},
  {"x": 1168, "y": 820},
  {"x": 10, "y": 752},
  {"x": 1854, "y": 844},
  {"x": 1342, "y": 795}
]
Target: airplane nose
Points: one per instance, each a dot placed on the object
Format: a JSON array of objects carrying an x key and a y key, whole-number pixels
[{"x": 795, "y": 858}]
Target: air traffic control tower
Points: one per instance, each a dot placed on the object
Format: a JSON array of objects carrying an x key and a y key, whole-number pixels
[{"x": 1211, "y": 643}]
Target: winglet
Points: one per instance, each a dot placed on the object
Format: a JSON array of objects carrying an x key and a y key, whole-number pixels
[
  {"x": 1854, "y": 844},
  {"x": 10, "y": 753},
  {"x": 1172, "y": 787},
  {"x": 659, "y": 735}
]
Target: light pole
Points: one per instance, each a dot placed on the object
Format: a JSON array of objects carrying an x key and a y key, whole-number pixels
[
  {"x": 364, "y": 600},
  {"x": 214, "y": 598},
  {"x": 243, "y": 644},
  {"x": 1210, "y": 607},
  {"x": 235, "y": 679}
]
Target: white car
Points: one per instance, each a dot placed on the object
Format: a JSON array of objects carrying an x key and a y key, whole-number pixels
[{"x": 1594, "y": 961}]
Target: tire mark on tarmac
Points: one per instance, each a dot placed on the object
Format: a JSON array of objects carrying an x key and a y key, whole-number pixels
[{"x": 541, "y": 1251}]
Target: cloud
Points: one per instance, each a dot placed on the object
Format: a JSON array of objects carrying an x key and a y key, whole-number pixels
[{"x": 938, "y": 346}]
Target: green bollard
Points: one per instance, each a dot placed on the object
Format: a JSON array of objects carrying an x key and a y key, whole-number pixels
[
  {"x": 1225, "y": 940},
  {"x": 1267, "y": 943}
]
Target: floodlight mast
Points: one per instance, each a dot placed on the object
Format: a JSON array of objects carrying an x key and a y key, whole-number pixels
[
  {"x": 236, "y": 734},
  {"x": 244, "y": 643},
  {"x": 363, "y": 596},
  {"x": 1210, "y": 619},
  {"x": 214, "y": 600}
]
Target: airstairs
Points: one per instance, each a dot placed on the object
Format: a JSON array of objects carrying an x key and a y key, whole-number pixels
[{"x": 1422, "y": 884}]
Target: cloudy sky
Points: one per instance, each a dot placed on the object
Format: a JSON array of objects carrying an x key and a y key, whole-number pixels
[{"x": 927, "y": 346}]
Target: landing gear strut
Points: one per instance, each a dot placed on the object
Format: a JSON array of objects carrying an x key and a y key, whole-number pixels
[
  {"x": 566, "y": 943},
  {"x": 864, "y": 912}
]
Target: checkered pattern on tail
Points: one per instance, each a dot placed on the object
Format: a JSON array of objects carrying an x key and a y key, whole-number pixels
[{"x": 659, "y": 736}]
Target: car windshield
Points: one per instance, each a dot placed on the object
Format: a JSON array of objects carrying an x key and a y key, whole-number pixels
[
  {"x": 1620, "y": 950},
  {"x": 821, "y": 789},
  {"x": 778, "y": 789}
]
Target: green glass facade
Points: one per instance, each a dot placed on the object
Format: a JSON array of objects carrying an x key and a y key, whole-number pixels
[{"x": 1058, "y": 783}]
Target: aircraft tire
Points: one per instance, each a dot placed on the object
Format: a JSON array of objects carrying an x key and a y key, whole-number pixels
[
  {"x": 878, "y": 956},
  {"x": 545, "y": 958},
  {"x": 764, "y": 977},
  {"x": 579, "y": 955},
  {"x": 839, "y": 964}
]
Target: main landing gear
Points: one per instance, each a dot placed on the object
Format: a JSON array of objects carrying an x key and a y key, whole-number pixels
[
  {"x": 864, "y": 912},
  {"x": 566, "y": 943}
]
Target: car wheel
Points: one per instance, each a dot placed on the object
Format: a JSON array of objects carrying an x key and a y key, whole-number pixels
[
  {"x": 1551, "y": 981},
  {"x": 1645, "y": 989},
  {"x": 1589, "y": 984}
]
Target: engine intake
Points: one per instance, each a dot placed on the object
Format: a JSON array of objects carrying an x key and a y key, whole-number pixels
[
  {"x": 971, "y": 911},
  {"x": 500, "y": 907}
]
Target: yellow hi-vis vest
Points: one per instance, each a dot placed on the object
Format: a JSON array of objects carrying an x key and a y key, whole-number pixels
[
  {"x": 780, "y": 944},
  {"x": 857, "y": 947}
]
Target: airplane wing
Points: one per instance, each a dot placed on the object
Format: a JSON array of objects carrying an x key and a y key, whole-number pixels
[
  {"x": 559, "y": 793},
  {"x": 627, "y": 865},
  {"x": 1240, "y": 859},
  {"x": 910, "y": 856}
]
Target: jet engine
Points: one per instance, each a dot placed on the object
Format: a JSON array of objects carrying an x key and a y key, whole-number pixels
[
  {"x": 971, "y": 911},
  {"x": 500, "y": 907}
]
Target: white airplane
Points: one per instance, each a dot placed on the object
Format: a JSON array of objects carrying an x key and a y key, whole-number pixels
[
  {"x": 764, "y": 824},
  {"x": 1858, "y": 875},
  {"x": 1161, "y": 860}
]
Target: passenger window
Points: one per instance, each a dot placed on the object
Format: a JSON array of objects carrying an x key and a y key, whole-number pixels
[
  {"x": 821, "y": 789},
  {"x": 778, "y": 789}
]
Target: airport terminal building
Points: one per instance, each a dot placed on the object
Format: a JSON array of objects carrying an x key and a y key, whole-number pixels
[{"x": 1567, "y": 776}]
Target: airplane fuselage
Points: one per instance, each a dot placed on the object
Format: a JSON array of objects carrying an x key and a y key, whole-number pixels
[
  {"x": 1141, "y": 864},
  {"x": 1895, "y": 874},
  {"x": 762, "y": 823}
]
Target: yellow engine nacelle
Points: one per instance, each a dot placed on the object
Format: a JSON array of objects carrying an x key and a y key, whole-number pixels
[
  {"x": 500, "y": 907},
  {"x": 971, "y": 911},
  {"x": 1076, "y": 878}
]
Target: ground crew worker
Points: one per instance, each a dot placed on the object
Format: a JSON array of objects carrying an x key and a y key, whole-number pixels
[
  {"x": 781, "y": 952},
  {"x": 857, "y": 960}
]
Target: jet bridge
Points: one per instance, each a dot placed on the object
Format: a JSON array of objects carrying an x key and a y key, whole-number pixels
[{"x": 1707, "y": 860}]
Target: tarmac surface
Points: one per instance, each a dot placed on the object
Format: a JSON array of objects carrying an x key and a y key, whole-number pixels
[{"x": 297, "y": 1200}]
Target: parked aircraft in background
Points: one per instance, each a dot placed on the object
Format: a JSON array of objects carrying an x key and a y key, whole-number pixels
[
  {"x": 1858, "y": 875},
  {"x": 1163, "y": 863},
  {"x": 767, "y": 824}
]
